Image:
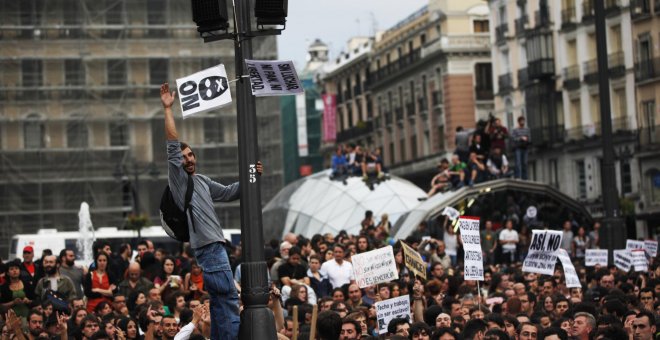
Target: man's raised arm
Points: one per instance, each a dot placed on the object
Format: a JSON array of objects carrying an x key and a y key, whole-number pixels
[{"x": 167, "y": 99}]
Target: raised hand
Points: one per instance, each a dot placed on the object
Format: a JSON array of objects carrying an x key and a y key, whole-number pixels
[
  {"x": 167, "y": 98},
  {"x": 260, "y": 168}
]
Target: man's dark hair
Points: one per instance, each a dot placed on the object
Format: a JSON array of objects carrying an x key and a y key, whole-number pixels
[
  {"x": 523, "y": 324},
  {"x": 394, "y": 323},
  {"x": 295, "y": 250},
  {"x": 358, "y": 328},
  {"x": 185, "y": 145},
  {"x": 646, "y": 290},
  {"x": 473, "y": 327},
  {"x": 431, "y": 313},
  {"x": 62, "y": 255},
  {"x": 123, "y": 247},
  {"x": 34, "y": 312},
  {"x": 99, "y": 335},
  {"x": 559, "y": 332},
  {"x": 648, "y": 314},
  {"x": 499, "y": 333},
  {"x": 143, "y": 243},
  {"x": 368, "y": 214},
  {"x": 417, "y": 327},
  {"x": 611, "y": 333},
  {"x": 442, "y": 331},
  {"x": 512, "y": 320},
  {"x": 495, "y": 318},
  {"x": 328, "y": 325}
]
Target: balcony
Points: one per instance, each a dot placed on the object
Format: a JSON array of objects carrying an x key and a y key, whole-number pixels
[
  {"x": 361, "y": 129},
  {"x": 620, "y": 125},
  {"x": 541, "y": 68},
  {"x": 523, "y": 77},
  {"x": 436, "y": 98},
  {"x": 388, "y": 117},
  {"x": 588, "y": 11},
  {"x": 500, "y": 33},
  {"x": 649, "y": 135},
  {"x": 398, "y": 113},
  {"x": 423, "y": 104},
  {"x": 521, "y": 24},
  {"x": 484, "y": 93},
  {"x": 612, "y": 7},
  {"x": 616, "y": 65},
  {"x": 648, "y": 69},
  {"x": 591, "y": 71},
  {"x": 357, "y": 90},
  {"x": 396, "y": 67},
  {"x": 572, "y": 77},
  {"x": 540, "y": 21},
  {"x": 458, "y": 43},
  {"x": 569, "y": 18},
  {"x": 547, "y": 136},
  {"x": 505, "y": 83},
  {"x": 410, "y": 109},
  {"x": 640, "y": 9}
]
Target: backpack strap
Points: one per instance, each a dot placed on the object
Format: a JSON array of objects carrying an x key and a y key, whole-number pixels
[{"x": 186, "y": 204}]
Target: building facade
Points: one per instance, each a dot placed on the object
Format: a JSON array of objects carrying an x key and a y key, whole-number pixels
[
  {"x": 544, "y": 59},
  {"x": 80, "y": 113},
  {"x": 406, "y": 90}
]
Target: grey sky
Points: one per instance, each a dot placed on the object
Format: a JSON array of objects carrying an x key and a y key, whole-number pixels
[{"x": 335, "y": 21}]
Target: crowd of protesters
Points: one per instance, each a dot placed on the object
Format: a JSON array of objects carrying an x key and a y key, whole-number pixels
[
  {"x": 354, "y": 160},
  {"x": 157, "y": 295}
]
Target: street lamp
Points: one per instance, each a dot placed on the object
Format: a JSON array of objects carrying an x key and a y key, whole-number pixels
[{"x": 121, "y": 173}]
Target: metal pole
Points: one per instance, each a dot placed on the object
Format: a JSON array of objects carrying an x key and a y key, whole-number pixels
[
  {"x": 614, "y": 231},
  {"x": 257, "y": 321},
  {"x": 136, "y": 198}
]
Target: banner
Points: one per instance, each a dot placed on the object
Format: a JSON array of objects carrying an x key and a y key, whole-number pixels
[
  {"x": 452, "y": 213},
  {"x": 389, "y": 309},
  {"x": 541, "y": 257},
  {"x": 623, "y": 259},
  {"x": 374, "y": 267},
  {"x": 273, "y": 78},
  {"x": 204, "y": 91},
  {"x": 329, "y": 118},
  {"x": 572, "y": 279},
  {"x": 301, "y": 120},
  {"x": 634, "y": 244},
  {"x": 639, "y": 261},
  {"x": 474, "y": 263},
  {"x": 651, "y": 247},
  {"x": 595, "y": 257},
  {"x": 414, "y": 261}
]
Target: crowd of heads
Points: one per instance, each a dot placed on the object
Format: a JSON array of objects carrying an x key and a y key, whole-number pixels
[{"x": 355, "y": 160}]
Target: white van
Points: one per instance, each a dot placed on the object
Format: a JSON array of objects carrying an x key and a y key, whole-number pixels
[{"x": 57, "y": 240}]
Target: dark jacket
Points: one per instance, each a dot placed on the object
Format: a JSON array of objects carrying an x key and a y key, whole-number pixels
[{"x": 6, "y": 294}]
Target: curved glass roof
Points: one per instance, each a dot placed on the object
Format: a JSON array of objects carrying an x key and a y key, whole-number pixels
[{"x": 317, "y": 205}]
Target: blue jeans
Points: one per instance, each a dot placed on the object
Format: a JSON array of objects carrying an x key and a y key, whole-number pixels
[
  {"x": 521, "y": 163},
  {"x": 219, "y": 282}
]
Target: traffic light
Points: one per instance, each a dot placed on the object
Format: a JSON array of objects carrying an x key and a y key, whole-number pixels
[
  {"x": 210, "y": 15},
  {"x": 270, "y": 12}
]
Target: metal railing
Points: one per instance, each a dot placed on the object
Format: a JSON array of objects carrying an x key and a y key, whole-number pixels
[
  {"x": 363, "y": 128},
  {"x": 588, "y": 10},
  {"x": 523, "y": 77},
  {"x": 541, "y": 68},
  {"x": 520, "y": 24},
  {"x": 616, "y": 64},
  {"x": 505, "y": 83},
  {"x": 569, "y": 17},
  {"x": 649, "y": 135},
  {"x": 640, "y": 8},
  {"x": 647, "y": 69},
  {"x": 591, "y": 71},
  {"x": 571, "y": 76},
  {"x": 500, "y": 32}
]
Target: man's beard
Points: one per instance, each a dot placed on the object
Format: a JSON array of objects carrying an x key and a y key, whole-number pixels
[
  {"x": 70, "y": 263},
  {"x": 36, "y": 331},
  {"x": 50, "y": 270}
]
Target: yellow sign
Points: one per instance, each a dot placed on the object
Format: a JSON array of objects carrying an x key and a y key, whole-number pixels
[{"x": 414, "y": 261}]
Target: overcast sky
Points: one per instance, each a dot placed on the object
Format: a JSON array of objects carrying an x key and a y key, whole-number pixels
[{"x": 335, "y": 21}]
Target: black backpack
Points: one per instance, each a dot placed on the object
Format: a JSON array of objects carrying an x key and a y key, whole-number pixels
[{"x": 173, "y": 220}]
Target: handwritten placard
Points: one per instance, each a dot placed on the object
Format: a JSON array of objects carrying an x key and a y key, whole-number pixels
[
  {"x": 204, "y": 91},
  {"x": 594, "y": 257},
  {"x": 639, "y": 261},
  {"x": 414, "y": 261},
  {"x": 623, "y": 259},
  {"x": 572, "y": 279},
  {"x": 389, "y": 309},
  {"x": 273, "y": 78},
  {"x": 634, "y": 244},
  {"x": 541, "y": 257},
  {"x": 473, "y": 259},
  {"x": 452, "y": 213},
  {"x": 651, "y": 247},
  {"x": 374, "y": 267}
]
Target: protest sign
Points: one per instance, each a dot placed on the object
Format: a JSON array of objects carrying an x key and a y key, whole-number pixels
[
  {"x": 572, "y": 280},
  {"x": 634, "y": 244},
  {"x": 639, "y": 261},
  {"x": 622, "y": 259},
  {"x": 452, "y": 213},
  {"x": 414, "y": 261},
  {"x": 273, "y": 78},
  {"x": 651, "y": 247},
  {"x": 389, "y": 309},
  {"x": 204, "y": 91},
  {"x": 541, "y": 257},
  {"x": 374, "y": 267},
  {"x": 474, "y": 263},
  {"x": 595, "y": 257}
]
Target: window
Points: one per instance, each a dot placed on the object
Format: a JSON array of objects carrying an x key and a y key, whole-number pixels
[
  {"x": 33, "y": 132},
  {"x": 116, "y": 69},
  {"x": 553, "y": 171},
  {"x": 655, "y": 186},
  {"x": 31, "y": 71},
  {"x": 626, "y": 177},
  {"x": 502, "y": 15},
  {"x": 582, "y": 179},
  {"x": 480, "y": 26},
  {"x": 413, "y": 146},
  {"x": 156, "y": 16},
  {"x": 484, "y": 76},
  {"x": 119, "y": 131},
  {"x": 213, "y": 130},
  {"x": 391, "y": 161},
  {"x": 76, "y": 133},
  {"x": 74, "y": 73},
  {"x": 649, "y": 132},
  {"x": 113, "y": 12},
  {"x": 402, "y": 146},
  {"x": 158, "y": 71}
]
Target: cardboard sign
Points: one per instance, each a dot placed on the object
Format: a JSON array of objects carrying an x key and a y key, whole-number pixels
[
  {"x": 204, "y": 91},
  {"x": 639, "y": 261},
  {"x": 572, "y": 279},
  {"x": 623, "y": 259},
  {"x": 374, "y": 267},
  {"x": 273, "y": 78},
  {"x": 651, "y": 247},
  {"x": 414, "y": 261},
  {"x": 452, "y": 213},
  {"x": 474, "y": 263},
  {"x": 389, "y": 309},
  {"x": 595, "y": 257},
  {"x": 634, "y": 244},
  {"x": 541, "y": 258}
]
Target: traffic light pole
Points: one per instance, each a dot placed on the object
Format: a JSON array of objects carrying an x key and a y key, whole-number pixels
[
  {"x": 257, "y": 321},
  {"x": 613, "y": 233}
]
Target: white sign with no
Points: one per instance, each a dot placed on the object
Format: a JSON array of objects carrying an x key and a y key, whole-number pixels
[{"x": 204, "y": 91}]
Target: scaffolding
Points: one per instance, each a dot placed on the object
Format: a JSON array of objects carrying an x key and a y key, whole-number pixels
[{"x": 80, "y": 114}]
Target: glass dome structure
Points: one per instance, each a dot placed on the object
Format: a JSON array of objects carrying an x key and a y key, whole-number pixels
[{"x": 318, "y": 205}]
